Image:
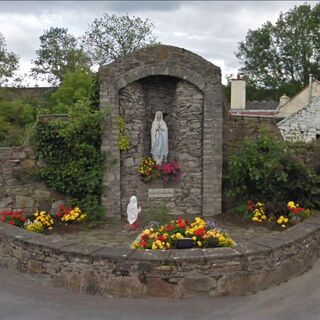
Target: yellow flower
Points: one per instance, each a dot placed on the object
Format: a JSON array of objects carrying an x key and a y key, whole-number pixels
[
  {"x": 179, "y": 235},
  {"x": 291, "y": 204}
]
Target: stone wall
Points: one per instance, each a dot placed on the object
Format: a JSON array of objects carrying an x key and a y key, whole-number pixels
[
  {"x": 182, "y": 106},
  {"x": 20, "y": 187},
  {"x": 237, "y": 128},
  {"x": 303, "y": 125},
  {"x": 118, "y": 272}
]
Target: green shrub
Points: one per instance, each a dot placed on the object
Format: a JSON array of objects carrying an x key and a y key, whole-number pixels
[
  {"x": 74, "y": 161},
  {"x": 15, "y": 119},
  {"x": 17, "y": 113},
  {"x": 266, "y": 169}
]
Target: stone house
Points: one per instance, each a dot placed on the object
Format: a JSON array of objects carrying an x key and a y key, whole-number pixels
[
  {"x": 303, "y": 125},
  {"x": 289, "y": 106}
]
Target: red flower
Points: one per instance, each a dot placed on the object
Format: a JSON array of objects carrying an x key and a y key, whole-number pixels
[
  {"x": 143, "y": 243},
  {"x": 11, "y": 222},
  {"x": 169, "y": 227},
  {"x": 145, "y": 237},
  {"x": 2, "y": 218},
  {"x": 250, "y": 205},
  {"x": 182, "y": 224},
  {"x": 200, "y": 232},
  {"x": 162, "y": 238},
  {"x": 297, "y": 210}
]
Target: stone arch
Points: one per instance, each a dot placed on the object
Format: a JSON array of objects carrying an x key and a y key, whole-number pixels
[{"x": 174, "y": 62}]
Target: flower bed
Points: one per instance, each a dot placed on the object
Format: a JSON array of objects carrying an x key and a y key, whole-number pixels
[
  {"x": 199, "y": 232},
  {"x": 15, "y": 218},
  {"x": 283, "y": 216},
  {"x": 41, "y": 221}
]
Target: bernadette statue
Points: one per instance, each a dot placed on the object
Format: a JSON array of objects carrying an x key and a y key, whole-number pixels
[
  {"x": 159, "y": 139},
  {"x": 133, "y": 214}
]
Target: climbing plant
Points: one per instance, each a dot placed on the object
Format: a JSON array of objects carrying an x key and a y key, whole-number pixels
[{"x": 124, "y": 141}]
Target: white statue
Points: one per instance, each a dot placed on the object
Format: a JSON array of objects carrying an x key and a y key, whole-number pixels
[
  {"x": 133, "y": 210},
  {"x": 159, "y": 139}
]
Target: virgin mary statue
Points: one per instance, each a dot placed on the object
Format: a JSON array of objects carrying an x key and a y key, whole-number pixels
[{"x": 159, "y": 139}]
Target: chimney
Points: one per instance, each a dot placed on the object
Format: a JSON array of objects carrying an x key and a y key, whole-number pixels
[
  {"x": 238, "y": 93},
  {"x": 283, "y": 100}
]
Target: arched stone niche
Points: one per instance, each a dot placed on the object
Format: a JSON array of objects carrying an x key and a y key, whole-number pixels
[{"x": 187, "y": 89}]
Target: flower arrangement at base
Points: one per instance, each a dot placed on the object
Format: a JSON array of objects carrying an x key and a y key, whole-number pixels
[
  {"x": 68, "y": 215},
  {"x": 284, "y": 216},
  {"x": 147, "y": 169},
  {"x": 15, "y": 217},
  {"x": 166, "y": 236},
  {"x": 167, "y": 171}
]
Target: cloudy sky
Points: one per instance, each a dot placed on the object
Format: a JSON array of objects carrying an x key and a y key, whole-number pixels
[{"x": 209, "y": 28}]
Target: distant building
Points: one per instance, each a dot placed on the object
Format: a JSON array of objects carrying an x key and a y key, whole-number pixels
[
  {"x": 274, "y": 109},
  {"x": 303, "y": 125},
  {"x": 300, "y": 100}
]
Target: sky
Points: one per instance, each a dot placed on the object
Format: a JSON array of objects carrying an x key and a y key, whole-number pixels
[{"x": 211, "y": 29}]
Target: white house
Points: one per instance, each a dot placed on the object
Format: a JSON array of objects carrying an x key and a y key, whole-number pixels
[
  {"x": 303, "y": 125},
  {"x": 289, "y": 106}
]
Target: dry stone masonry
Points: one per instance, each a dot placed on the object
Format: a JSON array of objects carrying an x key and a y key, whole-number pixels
[
  {"x": 182, "y": 106},
  {"x": 187, "y": 89},
  {"x": 20, "y": 187},
  {"x": 303, "y": 125},
  {"x": 120, "y": 272}
]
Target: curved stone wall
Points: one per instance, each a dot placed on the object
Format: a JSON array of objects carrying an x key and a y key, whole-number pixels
[{"x": 121, "y": 272}]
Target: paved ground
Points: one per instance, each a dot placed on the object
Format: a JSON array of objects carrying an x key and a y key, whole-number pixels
[
  {"x": 113, "y": 232},
  {"x": 23, "y": 298}
]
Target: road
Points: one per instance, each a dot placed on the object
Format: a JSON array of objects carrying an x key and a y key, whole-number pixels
[{"x": 24, "y": 298}]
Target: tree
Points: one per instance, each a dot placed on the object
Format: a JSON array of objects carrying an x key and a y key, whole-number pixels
[
  {"x": 9, "y": 62},
  {"x": 112, "y": 36},
  {"x": 59, "y": 54},
  {"x": 76, "y": 86},
  {"x": 281, "y": 55}
]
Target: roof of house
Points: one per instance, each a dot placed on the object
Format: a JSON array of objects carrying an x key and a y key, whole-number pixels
[
  {"x": 254, "y": 113},
  {"x": 300, "y": 116},
  {"x": 257, "y": 109},
  {"x": 297, "y": 94},
  {"x": 262, "y": 105}
]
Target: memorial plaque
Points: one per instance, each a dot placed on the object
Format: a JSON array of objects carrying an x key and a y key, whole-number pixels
[{"x": 160, "y": 193}]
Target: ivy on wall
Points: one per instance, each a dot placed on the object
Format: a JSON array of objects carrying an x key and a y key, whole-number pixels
[
  {"x": 74, "y": 161},
  {"x": 124, "y": 141}
]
